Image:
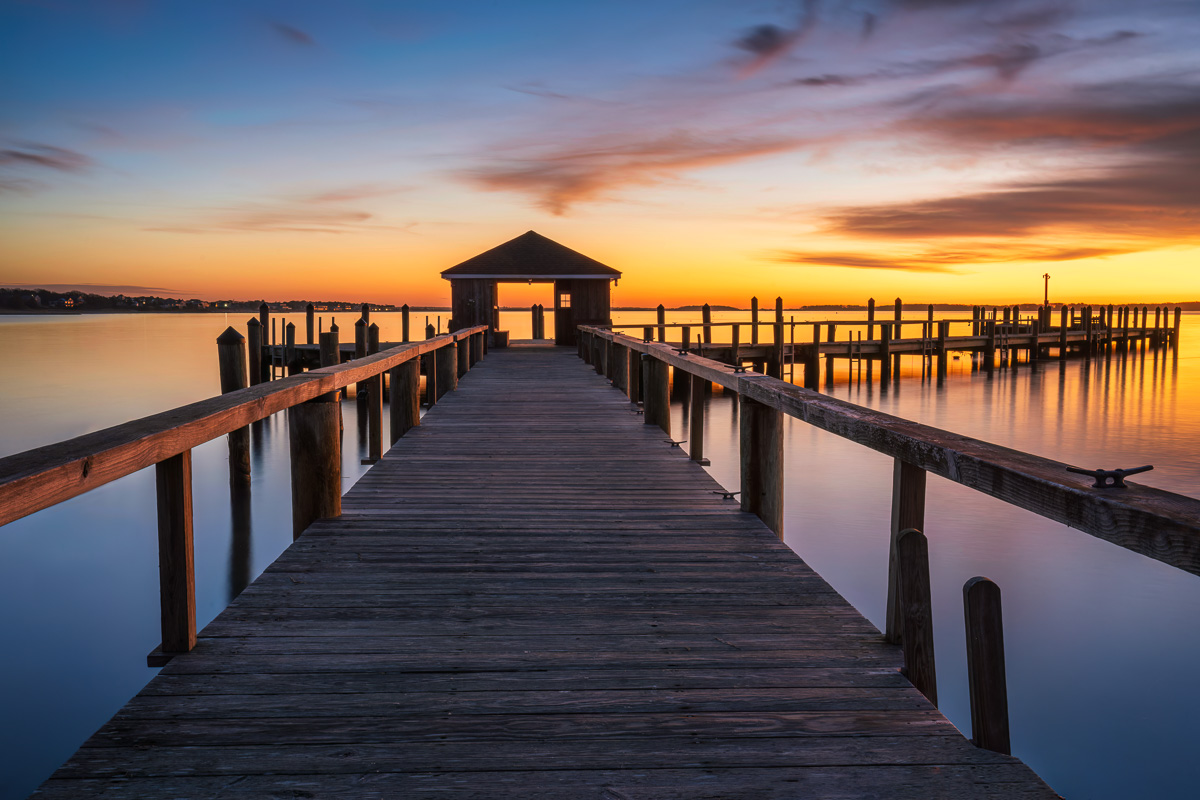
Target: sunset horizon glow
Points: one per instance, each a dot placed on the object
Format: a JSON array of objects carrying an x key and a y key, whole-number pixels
[{"x": 712, "y": 151}]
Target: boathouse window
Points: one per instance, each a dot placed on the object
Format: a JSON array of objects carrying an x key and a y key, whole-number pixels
[{"x": 564, "y": 300}]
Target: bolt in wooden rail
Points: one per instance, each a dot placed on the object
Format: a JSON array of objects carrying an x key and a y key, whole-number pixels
[
  {"x": 916, "y": 612},
  {"x": 985, "y": 665}
]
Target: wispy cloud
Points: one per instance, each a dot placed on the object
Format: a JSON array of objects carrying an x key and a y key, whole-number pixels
[
  {"x": 32, "y": 154},
  {"x": 948, "y": 260},
  {"x": 293, "y": 35}
]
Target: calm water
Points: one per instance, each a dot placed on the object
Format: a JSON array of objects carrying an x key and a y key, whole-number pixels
[{"x": 1101, "y": 643}]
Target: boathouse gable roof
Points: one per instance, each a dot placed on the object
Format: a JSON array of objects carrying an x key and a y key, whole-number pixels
[{"x": 531, "y": 256}]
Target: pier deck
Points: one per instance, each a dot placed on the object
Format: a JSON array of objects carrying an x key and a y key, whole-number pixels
[{"x": 532, "y": 595}]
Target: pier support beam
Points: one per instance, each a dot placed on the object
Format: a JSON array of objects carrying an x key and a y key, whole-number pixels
[
  {"x": 176, "y": 570},
  {"x": 908, "y": 511},
  {"x": 917, "y": 612},
  {"x": 696, "y": 420},
  {"x": 405, "y": 404},
  {"x": 657, "y": 392},
  {"x": 446, "y": 366},
  {"x": 762, "y": 462},
  {"x": 231, "y": 357},
  {"x": 315, "y": 436}
]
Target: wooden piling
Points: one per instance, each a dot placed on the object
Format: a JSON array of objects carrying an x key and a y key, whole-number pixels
[
  {"x": 871, "y": 318},
  {"x": 706, "y": 318},
  {"x": 985, "y": 665},
  {"x": 942, "y": 353},
  {"x": 908, "y": 511},
  {"x": 464, "y": 357},
  {"x": 735, "y": 345},
  {"x": 291, "y": 360},
  {"x": 753, "y": 320},
  {"x": 634, "y": 387},
  {"x": 696, "y": 420},
  {"x": 231, "y": 358},
  {"x": 404, "y": 322},
  {"x": 446, "y": 366},
  {"x": 832, "y": 337},
  {"x": 656, "y": 390},
  {"x": 315, "y": 429},
  {"x": 619, "y": 366},
  {"x": 885, "y": 355},
  {"x": 662, "y": 320},
  {"x": 916, "y": 612},
  {"x": 405, "y": 406},
  {"x": 1175, "y": 331},
  {"x": 761, "y": 454},
  {"x": 685, "y": 334},
  {"x": 176, "y": 567},
  {"x": 989, "y": 355},
  {"x": 310, "y": 313},
  {"x": 254, "y": 350},
  {"x": 264, "y": 363},
  {"x": 1063, "y": 347}
]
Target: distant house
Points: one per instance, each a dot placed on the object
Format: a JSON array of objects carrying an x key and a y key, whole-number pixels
[{"x": 582, "y": 290}]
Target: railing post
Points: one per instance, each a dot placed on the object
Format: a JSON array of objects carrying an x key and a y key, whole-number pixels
[
  {"x": 315, "y": 434},
  {"x": 255, "y": 350},
  {"x": 908, "y": 511},
  {"x": 620, "y": 366},
  {"x": 912, "y": 550},
  {"x": 635, "y": 377},
  {"x": 464, "y": 356},
  {"x": 656, "y": 389},
  {"x": 176, "y": 571},
  {"x": 446, "y": 366},
  {"x": 405, "y": 404},
  {"x": 985, "y": 665},
  {"x": 762, "y": 462},
  {"x": 696, "y": 420},
  {"x": 231, "y": 356},
  {"x": 607, "y": 346}
]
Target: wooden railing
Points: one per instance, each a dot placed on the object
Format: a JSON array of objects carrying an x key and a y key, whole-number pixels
[
  {"x": 1162, "y": 525},
  {"x": 45, "y": 476}
]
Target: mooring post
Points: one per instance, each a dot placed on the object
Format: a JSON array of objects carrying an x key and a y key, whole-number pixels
[
  {"x": 315, "y": 429},
  {"x": 908, "y": 511},
  {"x": 871, "y": 318},
  {"x": 989, "y": 354},
  {"x": 885, "y": 355},
  {"x": 761, "y": 455},
  {"x": 405, "y": 405},
  {"x": 942, "y": 353},
  {"x": 360, "y": 350},
  {"x": 735, "y": 345},
  {"x": 533, "y": 322},
  {"x": 1175, "y": 332},
  {"x": 310, "y": 312},
  {"x": 290, "y": 359},
  {"x": 446, "y": 366},
  {"x": 176, "y": 570},
  {"x": 706, "y": 319},
  {"x": 231, "y": 359},
  {"x": 812, "y": 361},
  {"x": 255, "y": 350},
  {"x": 985, "y": 665},
  {"x": 404, "y": 322},
  {"x": 662, "y": 320},
  {"x": 831, "y": 337},
  {"x": 1062, "y": 333},
  {"x": 374, "y": 387},
  {"x": 753, "y": 320},
  {"x": 696, "y": 420},
  {"x": 656, "y": 391},
  {"x": 916, "y": 612},
  {"x": 685, "y": 334}
]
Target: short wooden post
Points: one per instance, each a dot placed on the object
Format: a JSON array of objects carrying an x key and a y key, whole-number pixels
[
  {"x": 762, "y": 462},
  {"x": 916, "y": 611},
  {"x": 685, "y": 335},
  {"x": 404, "y": 323},
  {"x": 812, "y": 361},
  {"x": 989, "y": 354},
  {"x": 464, "y": 357},
  {"x": 943, "y": 333},
  {"x": 735, "y": 345},
  {"x": 777, "y": 351},
  {"x": 706, "y": 318},
  {"x": 446, "y": 366},
  {"x": 176, "y": 570},
  {"x": 885, "y": 355},
  {"x": 315, "y": 429},
  {"x": 360, "y": 350},
  {"x": 255, "y": 350},
  {"x": 831, "y": 338},
  {"x": 290, "y": 360},
  {"x": 908, "y": 511},
  {"x": 1175, "y": 331},
  {"x": 608, "y": 344},
  {"x": 310, "y": 313},
  {"x": 662, "y": 320},
  {"x": 985, "y": 665},
  {"x": 533, "y": 328},
  {"x": 374, "y": 387},
  {"x": 330, "y": 349},
  {"x": 696, "y": 420},
  {"x": 478, "y": 346},
  {"x": 657, "y": 392},
  {"x": 1062, "y": 333},
  {"x": 870, "y": 319},
  {"x": 405, "y": 405},
  {"x": 264, "y": 363},
  {"x": 231, "y": 358},
  {"x": 753, "y": 320}
]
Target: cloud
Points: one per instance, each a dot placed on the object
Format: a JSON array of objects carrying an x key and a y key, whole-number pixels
[
  {"x": 293, "y": 35},
  {"x": 946, "y": 260},
  {"x": 272, "y": 219},
  {"x": 590, "y": 170},
  {"x": 343, "y": 194},
  {"x": 45, "y": 156},
  {"x": 768, "y": 42}
]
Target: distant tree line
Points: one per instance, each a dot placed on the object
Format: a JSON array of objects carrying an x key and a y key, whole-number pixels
[{"x": 36, "y": 300}]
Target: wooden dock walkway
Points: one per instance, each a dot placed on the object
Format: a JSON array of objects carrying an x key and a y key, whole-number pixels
[{"x": 532, "y": 595}]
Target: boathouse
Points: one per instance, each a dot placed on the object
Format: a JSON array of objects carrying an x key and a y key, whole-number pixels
[{"x": 582, "y": 289}]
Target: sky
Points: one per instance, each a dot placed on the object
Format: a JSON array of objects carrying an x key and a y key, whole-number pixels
[{"x": 824, "y": 151}]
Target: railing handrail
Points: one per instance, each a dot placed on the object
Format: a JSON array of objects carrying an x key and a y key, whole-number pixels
[
  {"x": 1156, "y": 523},
  {"x": 48, "y": 475}
]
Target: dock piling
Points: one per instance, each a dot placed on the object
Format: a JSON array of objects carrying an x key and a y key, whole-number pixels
[
  {"x": 985, "y": 665},
  {"x": 761, "y": 456},
  {"x": 176, "y": 567},
  {"x": 908, "y": 511},
  {"x": 912, "y": 550},
  {"x": 231, "y": 358}
]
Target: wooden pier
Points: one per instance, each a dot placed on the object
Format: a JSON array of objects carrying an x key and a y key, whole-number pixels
[{"x": 536, "y": 593}]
